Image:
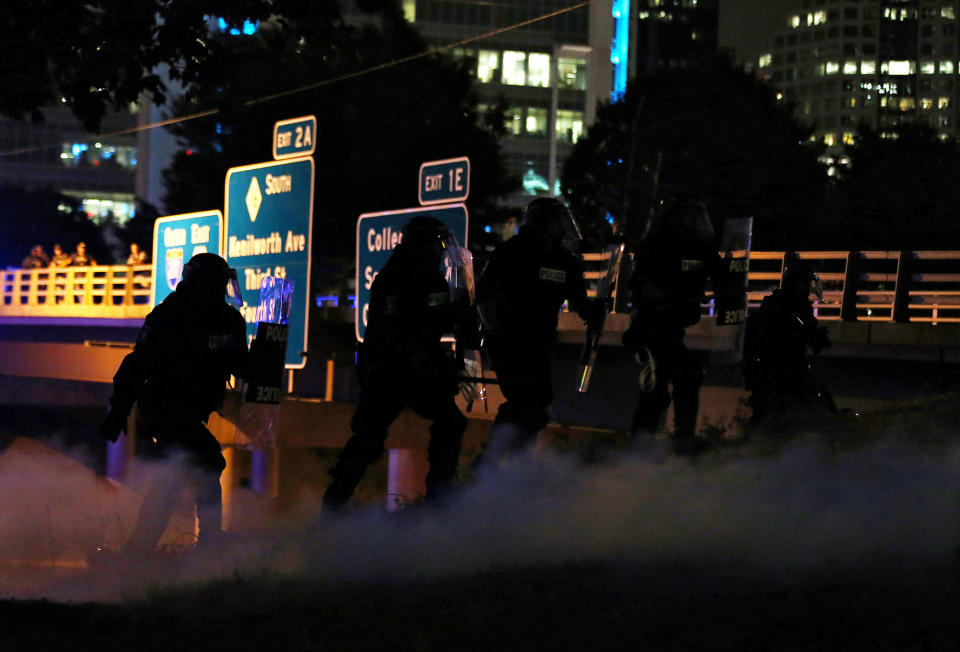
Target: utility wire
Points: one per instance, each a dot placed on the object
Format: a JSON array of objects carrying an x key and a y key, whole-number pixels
[{"x": 325, "y": 82}]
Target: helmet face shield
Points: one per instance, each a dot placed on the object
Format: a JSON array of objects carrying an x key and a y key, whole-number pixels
[
  {"x": 233, "y": 296},
  {"x": 453, "y": 258},
  {"x": 571, "y": 234}
]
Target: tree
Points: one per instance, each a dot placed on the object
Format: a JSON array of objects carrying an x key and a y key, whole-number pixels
[
  {"x": 374, "y": 129},
  {"x": 713, "y": 133},
  {"x": 103, "y": 54},
  {"x": 898, "y": 193}
]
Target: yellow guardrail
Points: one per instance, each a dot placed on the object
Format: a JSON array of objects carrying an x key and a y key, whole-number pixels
[
  {"x": 101, "y": 291},
  {"x": 879, "y": 286}
]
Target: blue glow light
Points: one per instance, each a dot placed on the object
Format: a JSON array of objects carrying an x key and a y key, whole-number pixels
[
  {"x": 249, "y": 27},
  {"x": 619, "y": 49},
  {"x": 609, "y": 218},
  {"x": 486, "y": 229}
]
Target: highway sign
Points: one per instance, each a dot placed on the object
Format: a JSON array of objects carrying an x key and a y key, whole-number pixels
[
  {"x": 294, "y": 137},
  {"x": 444, "y": 182},
  {"x": 269, "y": 233},
  {"x": 176, "y": 239},
  {"x": 379, "y": 233}
]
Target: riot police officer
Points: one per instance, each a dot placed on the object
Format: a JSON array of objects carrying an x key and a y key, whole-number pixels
[
  {"x": 668, "y": 283},
  {"x": 519, "y": 295},
  {"x": 775, "y": 367},
  {"x": 187, "y": 349},
  {"x": 402, "y": 362}
]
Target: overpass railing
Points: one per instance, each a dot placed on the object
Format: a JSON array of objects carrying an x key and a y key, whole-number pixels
[
  {"x": 879, "y": 286},
  {"x": 102, "y": 291},
  {"x": 884, "y": 286}
]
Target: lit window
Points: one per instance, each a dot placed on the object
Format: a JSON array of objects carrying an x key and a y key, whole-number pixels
[
  {"x": 794, "y": 21},
  {"x": 538, "y": 73},
  {"x": 868, "y": 67},
  {"x": 850, "y": 102},
  {"x": 569, "y": 126},
  {"x": 926, "y": 103},
  {"x": 948, "y": 12},
  {"x": 410, "y": 10},
  {"x": 832, "y": 67},
  {"x": 943, "y": 103},
  {"x": 899, "y": 67},
  {"x": 927, "y": 68},
  {"x": 907, "y": 104},
  {"x": 765, "y": 60},
  {"x": 572, "y": 73},
  {"x": 848, "y": 138},
  {"x": 883, "y": 101},
  {"x": 946, "y": 67},
  {"x": 829, "y": 139},
  {"x": 849, "y": 67},
  {"x": 514, "y": 120},
  {"x": 487, "y": 65},
  {"x": 536, "y": 124},
  {"x": 514, "y": 68}
]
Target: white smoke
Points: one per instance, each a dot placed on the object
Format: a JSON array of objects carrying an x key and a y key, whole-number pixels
[{"x": 889, "y": 512}]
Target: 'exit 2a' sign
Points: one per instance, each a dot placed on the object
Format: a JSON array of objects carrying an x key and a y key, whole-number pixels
[
  {"x": 294, "y": 137},
  {"x": 444, "y": 182}
]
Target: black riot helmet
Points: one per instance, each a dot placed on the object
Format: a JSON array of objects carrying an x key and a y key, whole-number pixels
[
  {"x": 687, "y": 216},
  {"x": 551, "y": 219},
  {"x": 208, "y": 277},
  {"x": 801, "y": 281},
  {"x": 429, "y": 238}
]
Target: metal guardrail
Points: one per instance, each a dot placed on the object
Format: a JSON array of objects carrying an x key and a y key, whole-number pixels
[
  {"x": 102, "y": 291},
  {"x": 871, "y": 286},
  {"x": 878, "y": 286}
]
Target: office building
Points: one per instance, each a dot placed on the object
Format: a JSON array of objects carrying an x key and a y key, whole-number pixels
[
  {"x": 673, "y": 34},
  {"x": 551, "y": 73},
  {"x": 878, "y": 62}
]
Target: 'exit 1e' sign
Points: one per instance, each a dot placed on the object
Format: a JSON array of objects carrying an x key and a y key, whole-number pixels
[
  {"x": 294, "y": 137},
  {"x": 444, "y": 182}
]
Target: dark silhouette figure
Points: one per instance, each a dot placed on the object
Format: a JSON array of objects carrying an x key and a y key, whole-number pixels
[
  {"x": 137, "y": 255},
  {"x": 36, "y": 260},
  {"x": 60, "y": 258},
  {"x": 775, "y": 366},
  {"x": 188, "y": 347},
  {"x": 80, "y": 257},
  {"x": 519, "y": 295},
  {"x": 402, "y": 363},
  {"x": 671, "y": 267}
]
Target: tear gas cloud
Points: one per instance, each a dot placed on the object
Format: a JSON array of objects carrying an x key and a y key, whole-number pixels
[{"x": 882, "y": 511}]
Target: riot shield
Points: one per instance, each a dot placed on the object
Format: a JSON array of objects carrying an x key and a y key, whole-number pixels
[
  {"x": 605, "y": 287},
  {"x": 258, "y": 415},
  {"x": 467, "y": 341},
  {"x": 730, "y": 288},
  {"x": 730, "y": 285}
]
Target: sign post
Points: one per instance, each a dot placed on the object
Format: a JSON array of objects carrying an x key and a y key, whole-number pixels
[
  {"x": 269, "y": 207},
  {"x": 177, "y": 239},
  {"x": 377, "y": 236}
]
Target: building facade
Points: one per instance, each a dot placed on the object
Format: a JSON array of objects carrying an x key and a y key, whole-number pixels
[
  {"x": 549, "y": 75},
  {"x": 99, "y": 171},
  {"x": 672, "y": 34},
  {"x": 882, "y": 63}
]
